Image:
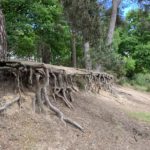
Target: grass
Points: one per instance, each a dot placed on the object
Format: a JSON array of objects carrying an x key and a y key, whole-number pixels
[
  {"x": 142, "y": 81},
  {"x": 142, "y": 116},
  {"x": 140, "y": 88}
]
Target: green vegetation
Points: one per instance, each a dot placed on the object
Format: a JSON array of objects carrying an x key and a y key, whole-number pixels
[
  {"x": 133, "y": 45},
  {"x": 37, "y": 29},
  {"x": 135, "y": 35},
  {"x": 142, "y": 81},
  {"x": 143, "y": 116},
  {"x": 139, "y": 81}
]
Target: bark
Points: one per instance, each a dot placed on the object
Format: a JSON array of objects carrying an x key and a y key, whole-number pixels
[
  {"x": 87, "y": 58},
  {"x": 112, "y": 24},
  {"x": 74, "y": 57},
  {"x": 46, "y": 56},
  {"x": 46, "y": 53},
  {"x": 3, "y": 42}
]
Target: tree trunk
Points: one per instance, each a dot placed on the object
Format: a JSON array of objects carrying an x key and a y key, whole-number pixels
[
  {"x": 74, "y": 55},
  {"x": 46, "y": 56},
  {"x": 3, "y": 42},
  {"x": 115, "y": 4},
  {"x": 45, "y": 52},
  {"x": 87, "y": 58}
]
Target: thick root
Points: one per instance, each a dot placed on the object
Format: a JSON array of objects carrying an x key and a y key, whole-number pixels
[
  {"x": 59, "y": 113},
  {"x": 53, "y": 108},
  {"x": 7, "y": 105}
]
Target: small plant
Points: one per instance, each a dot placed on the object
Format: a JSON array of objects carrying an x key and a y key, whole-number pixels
[{"x": 143, "y": 116}]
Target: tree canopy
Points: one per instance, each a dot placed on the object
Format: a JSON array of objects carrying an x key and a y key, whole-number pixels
[
  {"x": 35, "y": 28},
  {"x": 48, "y": 30},
  {"x": 135, "y": 39}
]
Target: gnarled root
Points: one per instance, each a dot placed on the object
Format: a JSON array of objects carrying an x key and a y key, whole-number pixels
[
  {"x": 16, "y": 99},
  {"x": 59, "y": 113},
  {"x": 60, "y": 89},
  {"x": 59, "y": 82},
  {"x": 41, "y": 89}
]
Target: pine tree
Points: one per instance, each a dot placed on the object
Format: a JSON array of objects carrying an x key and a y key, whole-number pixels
[
  {"x": 83, "y": 16},
  {"x": 115, "y": 4},
  {"x": 3, "y": 42}
]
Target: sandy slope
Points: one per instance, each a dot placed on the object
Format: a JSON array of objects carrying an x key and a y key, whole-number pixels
[{"x": 104, "y": 117}]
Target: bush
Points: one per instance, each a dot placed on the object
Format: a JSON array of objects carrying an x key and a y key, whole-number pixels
[
  {"x": 123, "y": 81},
  {"x": 148, "y": 88},
  {"x": 142, "y": 80},
  {"x": 129, "y": 64}
]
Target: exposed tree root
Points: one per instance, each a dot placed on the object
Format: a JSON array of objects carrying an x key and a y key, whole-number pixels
[
  {"x": 42, "y": 87},
  {"x": 59, "y": 82},
  {"x": 7, "y": 105},
  {"x": 59, "y": 113}
]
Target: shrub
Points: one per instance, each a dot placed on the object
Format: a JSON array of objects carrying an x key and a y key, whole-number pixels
[
  {"x": 142, "y": 80},
  {"x": 129, "y": 64}
]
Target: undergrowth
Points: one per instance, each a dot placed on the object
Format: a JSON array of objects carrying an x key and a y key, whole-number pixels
[{"x": 139, "y": 81}]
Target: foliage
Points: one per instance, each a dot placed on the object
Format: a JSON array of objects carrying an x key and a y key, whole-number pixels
[
  {"x": 83, "y": 17},
  {"x": 142, "y": 79},
  {"x": 31, "y": 24},
  {"x": 117, "y": 39},
  {"x": 135, "y": 39},
  {"x": 108, "y": 59},
  {"x": 130, "y": 52},
  {"x": 129, "y": 65},
  {"x": 41, "y": 29},
  {"x": 139, "y": 81},
  {"x": 142, "y": 57}
]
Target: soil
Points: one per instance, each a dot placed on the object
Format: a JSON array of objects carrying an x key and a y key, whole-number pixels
[{"x": 105, "y": 118}]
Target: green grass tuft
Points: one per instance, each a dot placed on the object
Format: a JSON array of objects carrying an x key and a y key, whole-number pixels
[{"x": 143, "y": 116}]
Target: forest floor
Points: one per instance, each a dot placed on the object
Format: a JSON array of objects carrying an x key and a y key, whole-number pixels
[{"x": 120, "y": 122}]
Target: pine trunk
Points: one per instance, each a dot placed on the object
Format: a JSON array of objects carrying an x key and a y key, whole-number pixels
[
  {"x": 45, "y": 52},
  {"x": 112, "y": 21},
  {"x": 46, "y": 56},
  {"x": 74, "y": 57},
  {"x": 3, "y": 42},
  {"x": 87, "y": 58}
]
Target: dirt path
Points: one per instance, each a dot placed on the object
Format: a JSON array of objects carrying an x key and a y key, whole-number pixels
[
  {"x": 108, "y": 126},
  {"x": 133, "y": 100}
]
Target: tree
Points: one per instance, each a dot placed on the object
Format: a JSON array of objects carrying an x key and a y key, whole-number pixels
[
  {"x": 144, "y": 4},
  {"x": 135, "y": 39},
  {"x": 3, "y": 41},
  {"x": 74, "y": 51},
  {"x": 37, "y": 29},
  {"x": 83, "y": 17},
  {"x": 115, "y": 4}
]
